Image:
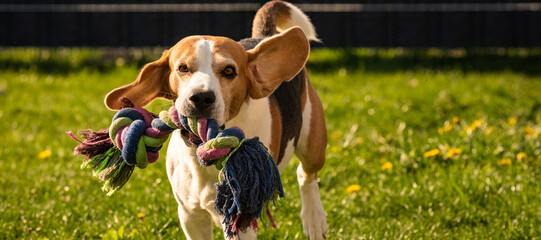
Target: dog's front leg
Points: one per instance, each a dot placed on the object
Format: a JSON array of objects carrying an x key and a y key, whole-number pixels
[
  {"x": 183, "y": 174},
  {"x": 196, "y": 223}
]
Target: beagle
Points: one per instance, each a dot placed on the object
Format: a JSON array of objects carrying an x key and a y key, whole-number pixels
[{"x": 259, "y": 84}]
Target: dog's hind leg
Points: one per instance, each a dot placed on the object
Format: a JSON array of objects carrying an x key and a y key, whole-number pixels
[{"x": 311, "y": 152}]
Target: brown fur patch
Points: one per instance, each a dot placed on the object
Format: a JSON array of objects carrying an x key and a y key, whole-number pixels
[
  {"x": 151, "y": 83},
  {"x": 268, "y": 17},
  {"x": 276, "y": 130},
  {"x": 314, "y": 154},
  {"x": 304, "y": 88}
]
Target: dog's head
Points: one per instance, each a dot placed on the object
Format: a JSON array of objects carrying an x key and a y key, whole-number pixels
[{"x": 211, "y": 77}]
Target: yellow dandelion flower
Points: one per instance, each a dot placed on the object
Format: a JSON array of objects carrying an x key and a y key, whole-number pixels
[
  {"x": 530, "y": 132},
  {"x": 455, "y": 119},
  {"x": 386, "y": 166},
  {"x": 140, "y": 215},
  {"x": 336, "y": 149},
  {"x": 45, "y": 154},
  {"x": 512, "y": 121},
  {"x": 440, "y": 131},
  {"x": 453, "y": 152},
  {"x": 505, "y": 161},
  {"x": 336, "y": 136},
  {"x": 353, "y": 188},
  {"x": 521, "y": 155},
  {"x": 447, "y": 127},
  {"x": 476, "y": 124},
  {"x": 431, "y": 153}
]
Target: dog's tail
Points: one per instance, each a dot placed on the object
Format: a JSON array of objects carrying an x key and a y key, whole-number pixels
[{"x": 277, "y": 16}]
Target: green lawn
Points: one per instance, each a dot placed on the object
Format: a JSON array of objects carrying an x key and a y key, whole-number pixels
[{"x": 387, "y": 111}]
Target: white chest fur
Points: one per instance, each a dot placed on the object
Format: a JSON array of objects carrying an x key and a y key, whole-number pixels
[{"x": 254, "y": 118}]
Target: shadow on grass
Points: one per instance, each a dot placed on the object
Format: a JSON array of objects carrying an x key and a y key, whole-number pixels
[
  {"x": 527, "y": 61},
  {"x": 66, "y": 60}
]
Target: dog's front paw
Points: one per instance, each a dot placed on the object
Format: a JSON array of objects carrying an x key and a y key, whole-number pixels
[{"x": 314, "y": 222}]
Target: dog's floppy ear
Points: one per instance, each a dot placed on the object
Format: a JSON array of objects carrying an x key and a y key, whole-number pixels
[
  {"x": 275, "y": 60},
  {"x": 152, "y": 83}
]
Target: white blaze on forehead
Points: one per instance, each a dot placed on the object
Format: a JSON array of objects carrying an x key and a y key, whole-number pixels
[
  {"x": 203, "y": 49},
  {"x": 203, "y": 77}
]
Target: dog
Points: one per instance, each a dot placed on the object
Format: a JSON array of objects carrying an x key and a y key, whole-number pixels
[{"x": 259, "y": 84}]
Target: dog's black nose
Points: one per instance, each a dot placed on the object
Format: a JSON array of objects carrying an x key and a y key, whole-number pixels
[{"x": 203, "y": 100}]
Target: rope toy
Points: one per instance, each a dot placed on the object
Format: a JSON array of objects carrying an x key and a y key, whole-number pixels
[{"x": 248, "y": 181}]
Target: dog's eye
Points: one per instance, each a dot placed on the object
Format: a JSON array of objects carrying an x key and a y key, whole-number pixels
[
  {"x": 229, "y": 72},
  {"x": 183, "y": 68}
]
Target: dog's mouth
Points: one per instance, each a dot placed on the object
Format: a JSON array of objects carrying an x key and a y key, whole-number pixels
[
  {"x": 191, "y": 139},
  {"x": 186, "y": 111}
]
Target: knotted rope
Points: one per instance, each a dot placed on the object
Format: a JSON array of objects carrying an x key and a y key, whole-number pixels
[{"x": 249, "y": 177}]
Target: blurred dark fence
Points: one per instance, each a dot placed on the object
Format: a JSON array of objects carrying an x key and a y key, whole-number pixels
[{"x": 365, "y": 23}]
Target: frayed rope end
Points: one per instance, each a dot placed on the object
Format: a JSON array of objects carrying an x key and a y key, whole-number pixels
[
  {"x": 242, "y": 194},
  {"x": 103, "y": 158}
]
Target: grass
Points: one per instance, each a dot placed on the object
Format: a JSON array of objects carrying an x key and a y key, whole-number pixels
[{"x": 477, "y": 111}]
